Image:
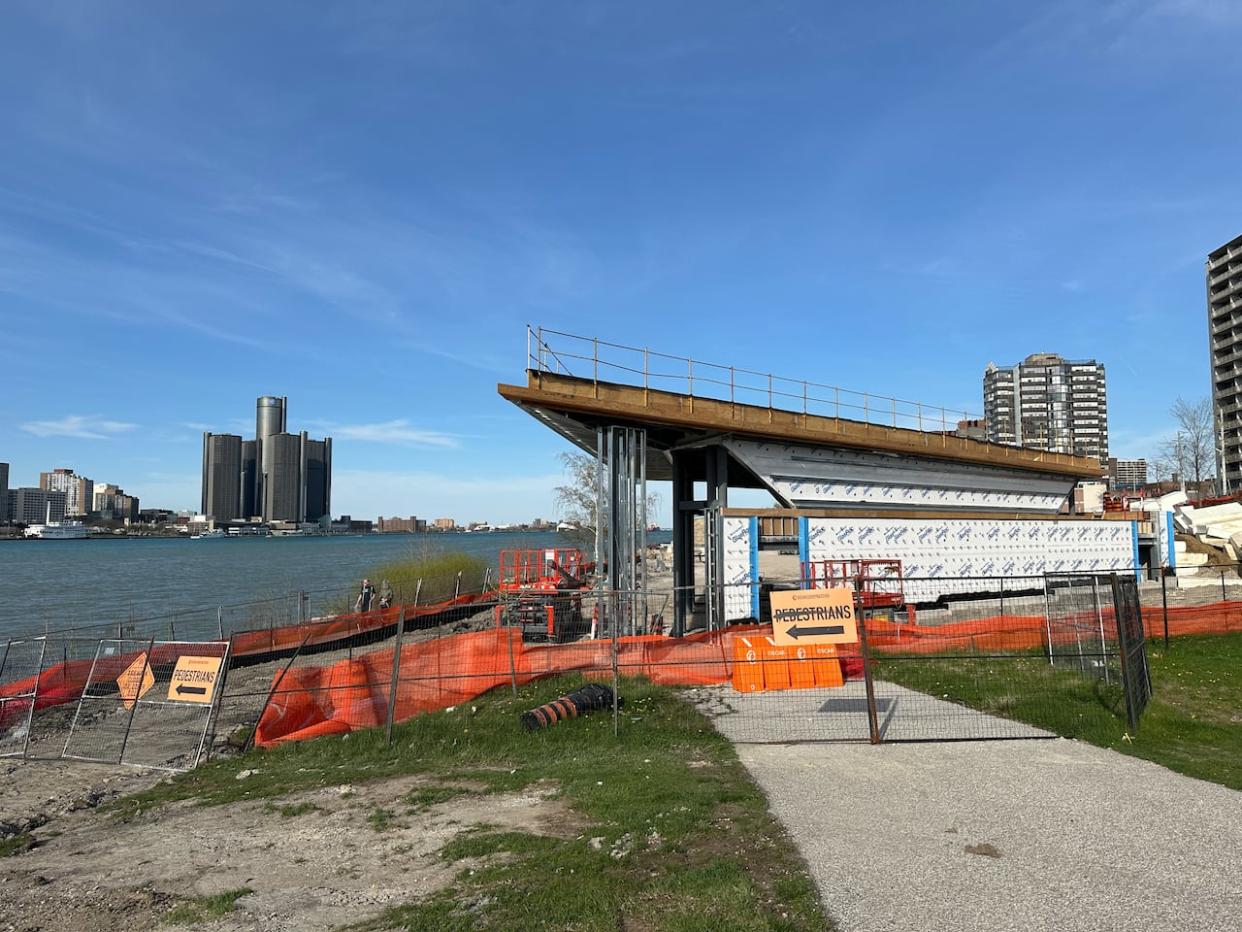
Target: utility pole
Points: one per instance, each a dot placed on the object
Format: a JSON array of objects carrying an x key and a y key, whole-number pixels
[{"x": 1181, "y": 467}]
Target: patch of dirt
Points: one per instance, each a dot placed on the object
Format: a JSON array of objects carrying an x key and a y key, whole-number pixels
[
  {"x": 316, "y": 870},
  {"x": 984, "y": 850}
]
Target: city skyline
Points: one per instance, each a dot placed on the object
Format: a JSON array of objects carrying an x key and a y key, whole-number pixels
[
  {"x": 276, "y": 476},
  {"x": 750, "y": 168}
]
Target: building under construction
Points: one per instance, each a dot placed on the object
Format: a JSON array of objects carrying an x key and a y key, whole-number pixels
[{"x": 855, "y": 476}]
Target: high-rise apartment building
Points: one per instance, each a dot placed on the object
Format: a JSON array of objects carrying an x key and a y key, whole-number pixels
[
  {"x": 1048, "y": 403},
  {"x": 222, "y": 476},
  {"x": 278, "y": 476},
  {"x": 1224, "y": 301},
  {"x": 4, "y": 493},
  {"x": 79, "y": 491}
]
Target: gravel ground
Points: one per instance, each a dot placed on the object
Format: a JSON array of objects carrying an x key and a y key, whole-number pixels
[{"x": 1006, "y": 835}]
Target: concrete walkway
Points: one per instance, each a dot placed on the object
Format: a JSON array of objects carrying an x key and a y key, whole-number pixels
[{"x": 992, "y": 836}]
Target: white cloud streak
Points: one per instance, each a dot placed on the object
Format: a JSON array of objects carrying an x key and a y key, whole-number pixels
[
  {"x": 399, "y": 431},
  {"x": 82, "y": 427}
]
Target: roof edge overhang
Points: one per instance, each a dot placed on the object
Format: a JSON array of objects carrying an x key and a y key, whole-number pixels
[{"x": 570, "y": 396}]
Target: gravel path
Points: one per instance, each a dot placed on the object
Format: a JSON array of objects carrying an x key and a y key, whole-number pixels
[{"x": 1006, "y": 835}]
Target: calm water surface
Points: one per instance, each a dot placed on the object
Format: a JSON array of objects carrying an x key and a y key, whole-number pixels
[{"x": 58, "y": 584}]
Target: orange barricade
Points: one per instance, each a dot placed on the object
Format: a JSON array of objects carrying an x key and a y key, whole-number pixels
[{"x": 747, "y": 670}]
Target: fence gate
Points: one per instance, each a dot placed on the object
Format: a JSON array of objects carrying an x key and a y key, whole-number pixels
[
  {"x": 984, "y": 660},
  {"x": 1133, "y": 643},
  {"x": 148, "y": 703},
  {"x": 1095, "y": 626}
]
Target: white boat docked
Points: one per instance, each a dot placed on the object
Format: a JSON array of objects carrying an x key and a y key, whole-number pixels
[
  {"x": 215, "y": 534},
  {"x": 57, "y": 530}
]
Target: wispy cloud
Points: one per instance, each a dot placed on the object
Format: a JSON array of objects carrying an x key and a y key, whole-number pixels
[
  {"x": 399, "y": 431},
  {"x": 82, "y": 427}
]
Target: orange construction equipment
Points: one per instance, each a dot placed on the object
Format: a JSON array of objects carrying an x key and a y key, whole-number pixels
[
  {"x": 543, "y": 586},
  {"x": 879, "y": 584}
]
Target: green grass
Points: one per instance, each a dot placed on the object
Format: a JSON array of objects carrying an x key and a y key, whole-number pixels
[
  {"x": 428, "y": 796},
  {"x": 382, "y": 819},
  {"x": 683, "y": 838},
  {"x": 1193, "y": 723},
  {"x": 204, "y": 908},
  {"x": 437, "y": 569},
  {"x": 16, "y": 844},
  {"x": 292, "y": 810}
]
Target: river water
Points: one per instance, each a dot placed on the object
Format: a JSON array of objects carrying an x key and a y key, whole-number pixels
[{"x": 50, "y": 585}]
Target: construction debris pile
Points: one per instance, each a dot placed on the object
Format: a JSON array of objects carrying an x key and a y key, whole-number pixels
[{"x": 1208, "y": 539}]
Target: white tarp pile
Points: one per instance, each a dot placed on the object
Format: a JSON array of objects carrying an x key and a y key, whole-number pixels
[{"x": 1218, "y": 526}]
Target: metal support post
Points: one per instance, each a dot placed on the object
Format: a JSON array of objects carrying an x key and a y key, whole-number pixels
[
  {"x": 213, "y": 711},
  {"x": 616, "y": 702},
  {"x": 512, "y": 660},
  {"x": 683, "y": 544},
  {"x": 395, "y": 679},
  {"x": 1164, "y": 603},
  {"x": 272, "y": 691},
  {"x": 133, "y": 710},
  {"x": 34, "y": 698},
  {"x": 873, "y": 718},
  {"x": 1099, "y": 617}
]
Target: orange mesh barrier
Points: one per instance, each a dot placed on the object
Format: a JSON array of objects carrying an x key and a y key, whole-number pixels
[{"x": 437, "y": 674}]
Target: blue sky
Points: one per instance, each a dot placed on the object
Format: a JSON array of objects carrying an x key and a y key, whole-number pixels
[{"x": 360, "y": 205}]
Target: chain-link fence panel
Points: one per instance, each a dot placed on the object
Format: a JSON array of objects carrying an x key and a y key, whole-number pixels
[
  {"x": 170, "y": 720},
  {"x": 120, "y": 674},
  {"x": 20, "y": 666},
  {"x": 65, "y": 664}
]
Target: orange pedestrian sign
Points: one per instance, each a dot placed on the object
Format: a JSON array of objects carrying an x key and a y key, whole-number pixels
[
  {"x": 814, "y": 616},
  {"x": 135, "y": 680},
  {"x": 194, "y": 679}
]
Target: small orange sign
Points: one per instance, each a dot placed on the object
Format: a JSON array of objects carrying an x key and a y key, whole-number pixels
[
  {"x": 135, "y": 680},
  {"x": 194, "y": 679},
  {"x": 814, "y": 616}
]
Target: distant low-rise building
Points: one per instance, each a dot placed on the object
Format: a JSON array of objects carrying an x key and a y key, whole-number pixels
[
  {"x": 157, "y": 516},
  {"x": 112, "y": 504},
  {"x": 444, "y": 524},
  {"x": 1127, "y": 474},
  {"x": 397, "y": 525},
  {"x": 972, "y": 429},
  {"x": 35, "y": 506}
]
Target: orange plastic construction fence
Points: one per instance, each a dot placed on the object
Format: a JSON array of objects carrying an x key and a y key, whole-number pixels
[{"x": 348, "y": 701}]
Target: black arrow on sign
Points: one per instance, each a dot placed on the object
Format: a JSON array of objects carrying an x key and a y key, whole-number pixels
[
  {"x": 192, "y": 690},
  {"x": 795, "y": 632}
]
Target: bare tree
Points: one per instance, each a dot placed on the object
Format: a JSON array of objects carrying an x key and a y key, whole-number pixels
[
  {"x": 576, "y": 498},
  {"x": 1192, "y": 452}
]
